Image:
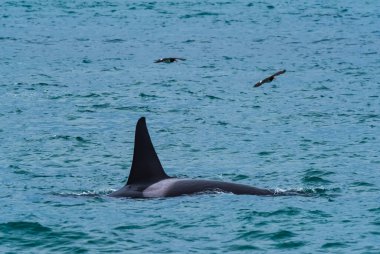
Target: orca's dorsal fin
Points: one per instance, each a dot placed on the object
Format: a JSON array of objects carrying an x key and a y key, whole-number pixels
[{"x": 146, "y": 167}]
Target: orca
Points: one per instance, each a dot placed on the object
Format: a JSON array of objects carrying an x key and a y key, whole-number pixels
[{"x": 147, "y": 178}]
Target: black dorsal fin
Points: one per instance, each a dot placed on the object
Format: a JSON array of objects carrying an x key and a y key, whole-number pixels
[{"x": 146, "y": 167}]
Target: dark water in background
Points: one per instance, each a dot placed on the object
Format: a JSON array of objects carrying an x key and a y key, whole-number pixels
[{"x": 76, "y": 76}]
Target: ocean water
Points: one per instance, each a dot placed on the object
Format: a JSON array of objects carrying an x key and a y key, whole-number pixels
[{"x": 76, "y": 76}]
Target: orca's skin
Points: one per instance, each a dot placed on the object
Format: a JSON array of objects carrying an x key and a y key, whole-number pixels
[{"x": 147, "y": 178}]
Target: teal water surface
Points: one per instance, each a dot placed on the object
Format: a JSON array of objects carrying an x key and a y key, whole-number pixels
[{"x": 76, "y": 76}]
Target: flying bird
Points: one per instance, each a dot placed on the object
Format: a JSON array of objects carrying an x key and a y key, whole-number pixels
[
  {"x": 169, "y": 60},
  {"x": 269, "y": 79}
]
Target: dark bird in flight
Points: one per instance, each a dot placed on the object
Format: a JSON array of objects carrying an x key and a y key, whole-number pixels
[
  {"x": 269, "y": 79},
  {"x": 169, "y": 60}
]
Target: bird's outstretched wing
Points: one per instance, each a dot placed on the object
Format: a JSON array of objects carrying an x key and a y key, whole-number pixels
[
  {"x": 169, "y": 60},
  {"x": 269, "y": 79}
]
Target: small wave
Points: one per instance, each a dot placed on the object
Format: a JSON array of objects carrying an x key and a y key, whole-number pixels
[
  {"x": 243, "y": 247},
  {"x": 28, "y": 235},
  {"x": 315, "y": 179},
  {"x": 144, "y": 95},
  {"x": 23, "y": 225},
  {"x": 211, "y": 97},
  {"x": 8, "y": 38},
  {"x": 114, "y": 40},
  {"x": 69, "y": 138},
  {"x": 100, "y": 106},
  {"x": 290, "y": 244},
  {"x": 277, "y": 192},
  {"x": 199, "y": 14},
  {"x": 331, "y": 245},
  {"x": 300, "y": 191},
  {"x": 93, "y": 193}
]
